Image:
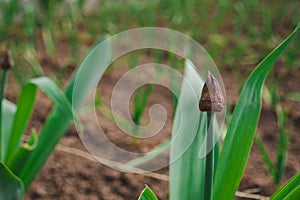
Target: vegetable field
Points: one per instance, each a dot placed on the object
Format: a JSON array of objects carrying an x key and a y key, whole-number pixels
[{"x": 210, "y": 89}]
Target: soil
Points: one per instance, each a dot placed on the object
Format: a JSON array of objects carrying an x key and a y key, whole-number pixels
[{"x": 68, "y": 176}]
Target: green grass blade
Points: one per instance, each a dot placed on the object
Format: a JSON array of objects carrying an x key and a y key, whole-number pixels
[
  {"x": 140, "y": 102},
  {"x": 147, "y": 194},
  {"x": 8, "y": 115},
  {"x": 282, "y": 144},
  {"x": 289, "y": 187},
  {"x": 187, "y": 170},
  {"x": 242, "y": 127},
  {"x": 11, "y": 187},
  {"x": 266, "y": 158}
]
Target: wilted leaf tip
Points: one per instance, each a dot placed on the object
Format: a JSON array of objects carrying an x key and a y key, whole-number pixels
[
  {"x": 212, "y": 99},
  {"x": 7, "y": 61}
]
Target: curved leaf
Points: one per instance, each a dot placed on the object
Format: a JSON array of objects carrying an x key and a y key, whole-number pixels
[
  {"x": 18, "y": 160},
  {"x": 59, "y": 121},
  {"x": 25, "y": 107},
  {"x": 242, "y": 127}
]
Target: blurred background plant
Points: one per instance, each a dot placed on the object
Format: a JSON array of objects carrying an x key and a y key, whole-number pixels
[{"x": 228, "y": 29}]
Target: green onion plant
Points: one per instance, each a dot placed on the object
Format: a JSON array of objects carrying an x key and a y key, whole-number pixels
[
  {"x": 237, "y": 144},
  {"x": 188, "y": 174},
  {"x": 21, "y": 161}
]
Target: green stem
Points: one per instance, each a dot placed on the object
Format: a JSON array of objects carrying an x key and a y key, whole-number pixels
[
  {"x": 2, "y": 92},
  {"x": 209, "y": 164}
]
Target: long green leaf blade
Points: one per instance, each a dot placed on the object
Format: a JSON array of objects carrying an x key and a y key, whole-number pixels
[
  {"x": 294, "y": 195},
  {"x": 24, "y": 110},
  {"x": 284, "y": 191},
  {"x": 242, "y": 127},
  {"x": 8, "y": 115},
  {"x": 187, "y": 170},
  {"x": 11, "y": 187}
]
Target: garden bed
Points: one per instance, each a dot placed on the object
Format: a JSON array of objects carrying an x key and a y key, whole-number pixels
[{"x": 69, "y": 175}]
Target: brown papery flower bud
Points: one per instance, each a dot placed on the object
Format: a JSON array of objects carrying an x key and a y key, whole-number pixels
[
  {"x": 212, "y": 99},
  {"x": 7, "y": 61}
]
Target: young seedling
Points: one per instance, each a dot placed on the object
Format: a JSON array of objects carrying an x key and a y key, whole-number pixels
[
  {"x": 212, "y": 100},
  {"x": 18, "y": 160}
]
